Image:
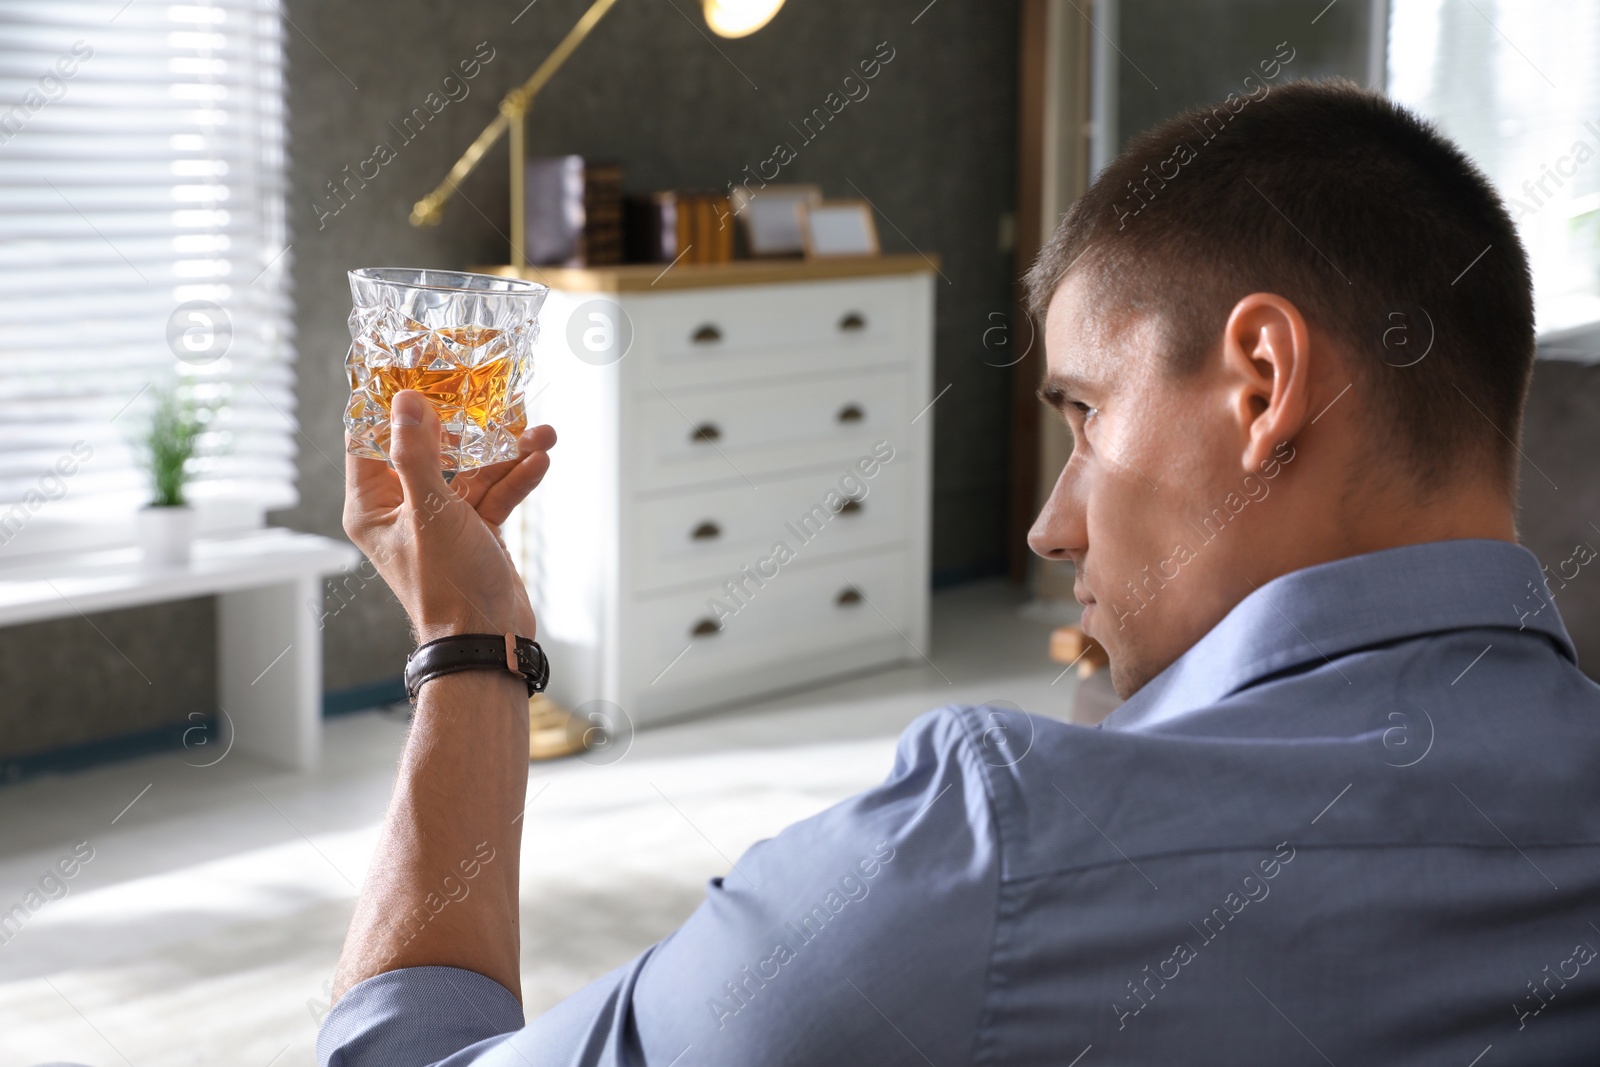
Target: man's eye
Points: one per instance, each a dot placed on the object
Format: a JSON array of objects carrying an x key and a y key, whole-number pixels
[{"x": 1084, "y": 409}]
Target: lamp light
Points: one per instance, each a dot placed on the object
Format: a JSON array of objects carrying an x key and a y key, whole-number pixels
[{"x": 739, "y": 18}]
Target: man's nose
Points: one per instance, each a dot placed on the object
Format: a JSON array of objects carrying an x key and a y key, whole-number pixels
[{"x": 1060, "y": 531}]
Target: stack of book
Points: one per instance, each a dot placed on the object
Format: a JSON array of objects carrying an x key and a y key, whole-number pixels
[
  {"x": 574, "y": 212},
  {"x": 577, "y": 217},
  {"x": 679, "y": 226},
  {"x": 602, "y": 238}
]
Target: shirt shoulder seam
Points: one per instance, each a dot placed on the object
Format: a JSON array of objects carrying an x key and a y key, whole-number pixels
[{"x": 986, "y": 1006}]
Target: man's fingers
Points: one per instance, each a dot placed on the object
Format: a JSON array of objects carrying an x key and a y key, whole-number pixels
[
  {"x": 537, "y": 439},
  {"x": 503, "y": 496},
  {"x": 472, "y": 485},
  {"x": 497, "y": 499},
  {"x": 414, "y": 446}
]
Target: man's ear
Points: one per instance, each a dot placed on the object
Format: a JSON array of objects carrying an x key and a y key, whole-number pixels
[{"x": 1266, "y": 353}]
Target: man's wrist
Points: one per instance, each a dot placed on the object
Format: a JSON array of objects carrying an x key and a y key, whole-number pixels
[
  {"x": 477, "y": 624},
  {"x": 424, "y": 634},
  {"x": 468, "y": 624},
  {"x": 475, "y": 686}
]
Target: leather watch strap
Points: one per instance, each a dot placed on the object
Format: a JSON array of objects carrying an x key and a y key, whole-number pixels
[{"x": 470, "y": 652}]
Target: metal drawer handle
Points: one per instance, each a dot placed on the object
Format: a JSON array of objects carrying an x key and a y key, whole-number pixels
[
  {"x": 850, "y": 413},
  {"x": 706, "y": 431},
  {"x": 848, "y": 597},
  {"x": 853, "y": 322},
  {"x": 706, "y": 531},
  {"x": 708, "y": 334},
  {"x": 706, "y": 628},
  {"x": 850, "y": 507}
]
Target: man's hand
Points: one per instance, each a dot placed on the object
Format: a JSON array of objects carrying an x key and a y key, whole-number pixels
[{"x": 438, "y": 544}]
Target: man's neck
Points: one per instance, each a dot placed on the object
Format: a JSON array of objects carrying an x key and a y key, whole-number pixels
[
  {"x": 1456, "y": 513},
  {"x": 1372, "y": 519}
]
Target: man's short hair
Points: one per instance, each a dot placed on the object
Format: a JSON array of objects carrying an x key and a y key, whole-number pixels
[{"x": 1379, "y": 229}]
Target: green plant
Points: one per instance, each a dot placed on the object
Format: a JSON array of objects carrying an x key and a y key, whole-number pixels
[{"x": 175, "y": 426}]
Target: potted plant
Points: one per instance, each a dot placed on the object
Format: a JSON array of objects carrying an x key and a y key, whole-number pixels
[{"x": 167, "y": 523}]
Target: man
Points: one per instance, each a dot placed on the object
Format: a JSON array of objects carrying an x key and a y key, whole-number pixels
[{"x": 1341, "y": 815}]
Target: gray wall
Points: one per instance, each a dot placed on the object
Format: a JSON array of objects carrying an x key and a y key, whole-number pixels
[
  {"x": 1180, "y": 53},
  {"x": 932, "y": 145}
]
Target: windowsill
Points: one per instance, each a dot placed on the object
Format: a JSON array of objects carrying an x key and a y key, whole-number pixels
[{"x": 56, "y": 529}]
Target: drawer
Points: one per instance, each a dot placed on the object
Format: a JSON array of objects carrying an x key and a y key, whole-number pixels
[
  {"x": 803, "y": 612},
  {"x": 713, "y": 533},
  {"x": 742, "y": 433},
  {"x": 743, "y": 332}
]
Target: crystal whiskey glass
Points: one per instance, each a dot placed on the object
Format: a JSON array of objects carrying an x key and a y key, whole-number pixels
[{"x": 465, "y": 341}]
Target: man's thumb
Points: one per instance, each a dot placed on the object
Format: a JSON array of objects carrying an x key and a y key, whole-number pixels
[{"x": 414, "y": 446}]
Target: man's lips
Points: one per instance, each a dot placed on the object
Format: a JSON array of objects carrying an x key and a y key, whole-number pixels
[{"x": 1081, "y": 594}]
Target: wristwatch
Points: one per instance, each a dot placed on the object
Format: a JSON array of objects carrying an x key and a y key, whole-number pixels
[{"x": 470, "y": 652}]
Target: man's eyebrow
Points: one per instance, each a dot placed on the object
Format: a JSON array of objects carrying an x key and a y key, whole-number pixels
[{"x": 1058, "y": 389}]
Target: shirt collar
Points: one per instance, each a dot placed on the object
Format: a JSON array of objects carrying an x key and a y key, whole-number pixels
[{"x": 1318, "y": 613}]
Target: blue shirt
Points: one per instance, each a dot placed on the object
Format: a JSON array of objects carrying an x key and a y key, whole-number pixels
[{"x": 1356, "y": 823}]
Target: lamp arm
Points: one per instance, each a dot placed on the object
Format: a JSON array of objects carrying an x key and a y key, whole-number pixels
[
  {"x": 429, "y": 211},
  {"x": 513, "y": 107}
]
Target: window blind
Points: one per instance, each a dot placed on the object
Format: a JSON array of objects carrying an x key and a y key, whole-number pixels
[{"x": 142, "y": 240}]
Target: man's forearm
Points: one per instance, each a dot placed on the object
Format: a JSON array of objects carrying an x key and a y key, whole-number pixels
[{"x": 442, "y": 888}]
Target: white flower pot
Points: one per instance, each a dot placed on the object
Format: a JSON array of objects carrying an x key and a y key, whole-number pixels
[{"x": 166, "y": 535}]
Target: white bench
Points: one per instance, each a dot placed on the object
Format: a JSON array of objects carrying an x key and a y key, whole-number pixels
[{"x": 269, "y": 644}]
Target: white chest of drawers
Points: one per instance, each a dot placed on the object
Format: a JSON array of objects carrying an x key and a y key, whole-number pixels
[{"x": 740, "y": 503}]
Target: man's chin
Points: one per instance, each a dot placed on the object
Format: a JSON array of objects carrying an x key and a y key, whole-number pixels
[
  {"x": 1130, "y": 672},
  {"x": 1126, "y": 683},
  {"x": 1126, "y": 678}
]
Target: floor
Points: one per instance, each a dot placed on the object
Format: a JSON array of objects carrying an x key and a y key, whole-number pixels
[{"x": 204, "y": 926}]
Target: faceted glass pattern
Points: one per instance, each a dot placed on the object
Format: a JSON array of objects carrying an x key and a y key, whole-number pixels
[{"x": 463, "y": 340}]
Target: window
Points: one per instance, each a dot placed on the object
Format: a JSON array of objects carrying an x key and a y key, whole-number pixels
[
  {"x": 141, "y": 243},
  {"x": 1517, "y": 86}
]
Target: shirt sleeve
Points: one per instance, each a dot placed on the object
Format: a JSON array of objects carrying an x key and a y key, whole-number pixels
[{"x": 861, "y": 935}]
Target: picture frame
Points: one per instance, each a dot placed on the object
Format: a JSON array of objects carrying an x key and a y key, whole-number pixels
[
  {"x": 840, "y": 228},
  {"x": 773, "y": 217}
]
